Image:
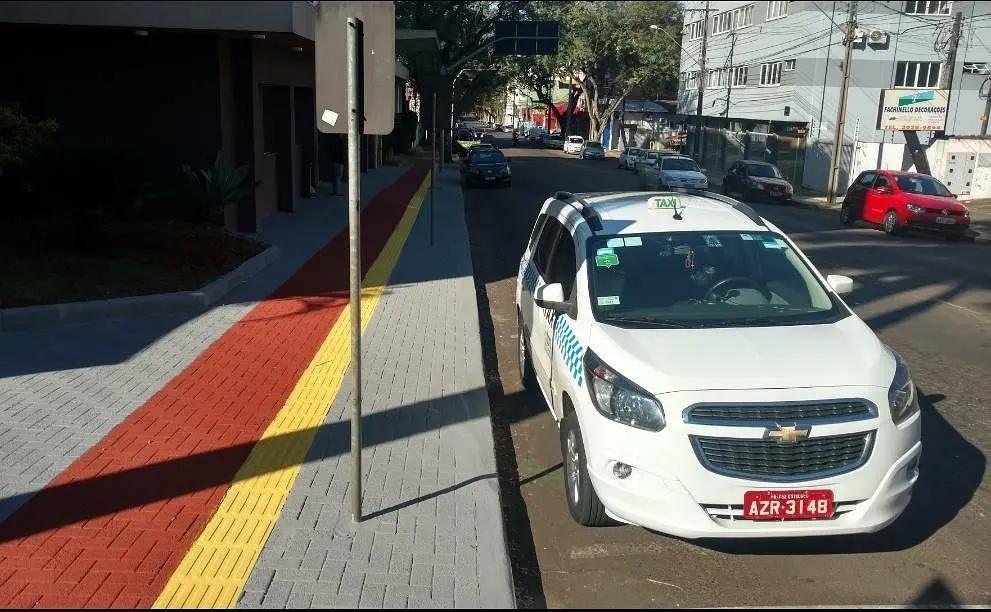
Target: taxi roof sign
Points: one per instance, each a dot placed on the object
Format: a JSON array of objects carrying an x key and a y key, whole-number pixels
[{"x": 664, "y": 203}]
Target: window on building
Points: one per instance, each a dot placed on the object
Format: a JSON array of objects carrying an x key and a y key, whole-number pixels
[
  {"x": 928, "y": 7},
  {"x": 740, "y": 76},
  {"x": 733, "y": 19},
  {"x": 694, "y": 31},
  {"x": 789, "y": 64},
  {"x": 917, "y": 74},
  {"x": 770, "y": 74},
  {"x": 718, "y": 78},
  {"x": 976, "y": 68},
  {"x": 777, "y": 9},
  {"x": 689, "y": 80}
]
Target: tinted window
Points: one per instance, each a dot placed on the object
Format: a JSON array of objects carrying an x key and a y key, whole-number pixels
[
  {"x": 866, "y": 179},
  {"x": 563, "y": 263},
  {"x": 679, "y": 164},
  {"x": 925, "y": 185},
  {"x": 881, "y": 182},
  {"x": 548, "y": 236},
  {"x": 486, "y": 156},
  {"x": 536, "y": 231},
  {"x": 593, "y": 145},
  {"x": 763, "y": 171}
]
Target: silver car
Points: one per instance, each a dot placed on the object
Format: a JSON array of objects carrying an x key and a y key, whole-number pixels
[
  {"x": 673, "y": 171},
  {"x": 628, "y": 158}
]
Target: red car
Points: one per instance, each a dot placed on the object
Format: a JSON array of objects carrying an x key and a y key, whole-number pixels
[{"x": 904, "y": 200}]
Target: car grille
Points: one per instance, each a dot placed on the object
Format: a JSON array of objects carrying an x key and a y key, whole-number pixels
[
  {"x": 778, "y": 413},
  {"x": 939, "y": 211},
  {"x": 769, "y": 460}
]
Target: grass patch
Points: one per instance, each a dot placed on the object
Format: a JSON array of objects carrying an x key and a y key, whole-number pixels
[{"x": 51, "y": 263}]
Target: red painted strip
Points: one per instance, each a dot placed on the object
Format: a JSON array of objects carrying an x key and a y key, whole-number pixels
[{"x": 111, "y": 529}]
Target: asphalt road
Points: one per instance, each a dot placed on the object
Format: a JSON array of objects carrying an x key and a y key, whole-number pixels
[{"x": 929, "y": 299}]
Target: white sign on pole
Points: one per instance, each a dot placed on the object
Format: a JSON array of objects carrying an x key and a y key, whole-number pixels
[
  {"x": 921, "y": 110},
  {"x": 379, "y": 70}
]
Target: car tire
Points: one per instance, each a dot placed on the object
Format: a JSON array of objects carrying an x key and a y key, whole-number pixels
[
  {"x": 890, "y": 223},
  {"x": 583, "y": 502},
  {"x": 846, "y": 214},
  {"x": 527, "y": 375}
]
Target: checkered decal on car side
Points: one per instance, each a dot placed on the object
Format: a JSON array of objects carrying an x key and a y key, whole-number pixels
[
  {"x": 530, "y": 277},
  {"x": 571, "y": 350}
]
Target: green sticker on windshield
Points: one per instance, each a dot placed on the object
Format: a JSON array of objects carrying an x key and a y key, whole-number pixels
[
  {"x": 607, "y": 260},
  {"x": 663, "y": 203}
]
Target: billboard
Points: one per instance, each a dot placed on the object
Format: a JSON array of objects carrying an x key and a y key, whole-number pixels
[{"x": 922, "y": 110}]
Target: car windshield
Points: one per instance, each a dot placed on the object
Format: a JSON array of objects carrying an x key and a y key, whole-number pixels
[
  {"x": 574, "y": 138},
  {"x": 922, "y": 184},
  {"x": 486, "y": 156},
  {"x": 591, "y": 144},
  {"x": 697, "y": 279},
  {"x": 763, "y": 171},
  {"x": 679, "y": 164}
]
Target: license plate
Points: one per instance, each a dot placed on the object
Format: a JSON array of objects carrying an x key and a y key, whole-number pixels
[
  {"x": 788, "y": 505},
  {"x": 945, "y": 220},
  {"x": 775, "y": 192},
  {"x": 490, "y": 178}
]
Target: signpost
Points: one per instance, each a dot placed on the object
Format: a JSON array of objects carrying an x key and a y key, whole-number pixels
[{"x": 356, "y": 40}]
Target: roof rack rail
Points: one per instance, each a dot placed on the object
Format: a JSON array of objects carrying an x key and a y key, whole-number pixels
[
  {"x": 588, "y": 213},
  {"x": 736, "y": 204}
]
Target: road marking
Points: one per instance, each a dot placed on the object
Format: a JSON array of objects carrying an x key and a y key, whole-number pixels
[{"x": 215, "y": 569}]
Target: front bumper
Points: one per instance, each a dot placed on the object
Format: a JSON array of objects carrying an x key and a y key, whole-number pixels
[
  {"x": 927, "y": 222},
  {"x": 670, "y": 491}
]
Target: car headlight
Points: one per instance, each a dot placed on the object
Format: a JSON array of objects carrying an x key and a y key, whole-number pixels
[
  {"x": 902, "y": 397},
  {"x": 965, "y": 214},
  {"x": 619, "y": 399},
  {"x": 915, "y": 210}
]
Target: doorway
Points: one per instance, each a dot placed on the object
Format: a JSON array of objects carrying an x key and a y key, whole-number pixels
[
  {"x": 277, "y": 121},
  {"x": 306, "y": 135}
]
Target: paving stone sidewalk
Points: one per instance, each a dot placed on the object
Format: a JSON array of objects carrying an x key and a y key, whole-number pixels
[
  {"x": 433, "y": 536},
  {"x": 63, "y": 389}
]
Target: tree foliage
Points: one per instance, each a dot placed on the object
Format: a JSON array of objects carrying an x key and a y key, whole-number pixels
[{"x": 610, "y": 48}]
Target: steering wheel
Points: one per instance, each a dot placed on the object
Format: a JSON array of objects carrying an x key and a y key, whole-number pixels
[{"x": 711, "y": 293}]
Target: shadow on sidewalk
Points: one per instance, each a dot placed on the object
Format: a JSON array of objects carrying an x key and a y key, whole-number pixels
[{"x": 72, "y": 503}]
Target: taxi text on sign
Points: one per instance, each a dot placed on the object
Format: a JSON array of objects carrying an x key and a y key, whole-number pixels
[
  {"x": 379, "y": 19},
  {"x": 922, "y": 110}
]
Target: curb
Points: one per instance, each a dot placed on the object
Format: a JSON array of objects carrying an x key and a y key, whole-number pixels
[{"x": 52, "y": 315}]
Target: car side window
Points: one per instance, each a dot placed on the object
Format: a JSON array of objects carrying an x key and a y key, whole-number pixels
[
  {"x": 563, "y": 268},
  {"x": 881, "y": 182},
  {"x": 536, "y": 231},
  {"x": 545, "y": 246},
  {"x": 867, "y": 179}
]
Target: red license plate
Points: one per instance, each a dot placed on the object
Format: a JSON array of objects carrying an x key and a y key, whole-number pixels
[{"x": 787, "y": 505}]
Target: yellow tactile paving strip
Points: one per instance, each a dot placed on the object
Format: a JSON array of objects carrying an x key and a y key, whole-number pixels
[{"x": 214, "y": 571}]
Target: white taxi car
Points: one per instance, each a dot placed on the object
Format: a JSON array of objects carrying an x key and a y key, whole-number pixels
[
  {"x": 708, "y": 381},
  {"x": 574, "y": 145}
]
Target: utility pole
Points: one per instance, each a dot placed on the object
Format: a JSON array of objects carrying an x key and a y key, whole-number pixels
[
  {"x": 946, "y": 75},
  {"x": 731, "y": 73},
  {"x": 848, "y": 39},
  {"x": 699, "y": 140},
  {"x": 985, "y": 92}
]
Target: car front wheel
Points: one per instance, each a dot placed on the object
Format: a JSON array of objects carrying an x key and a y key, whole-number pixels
[
  {"x": 583, "y": 502},
  {"x": 527, "y": 376},
  {"x": 891, "y": 223}
]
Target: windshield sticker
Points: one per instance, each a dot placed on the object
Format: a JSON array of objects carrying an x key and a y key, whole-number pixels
[
  {"x": 746, "y": 237},
  {"x": 664, "y": 203},
  {"x": 772, "y": 244},
  {"x": 633, "y": 241},
  {"x": 614, "y": 242},
  {"x": 605, "y": 251},
  {"x": 607, "y": 260},
  {"x": 608, "y": 300},
  {"x": 712, "y": 241}
]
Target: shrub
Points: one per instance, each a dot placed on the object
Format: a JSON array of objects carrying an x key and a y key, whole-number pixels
[{"x": 218, "y": 187}]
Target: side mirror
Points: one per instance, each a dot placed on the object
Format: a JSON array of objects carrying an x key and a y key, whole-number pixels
[
  {"x": 953, "y": 195},
  {"x": 840, "y": 284},
  {"x": 551, "y": 296},
  {"x": 885, "y": 189}
]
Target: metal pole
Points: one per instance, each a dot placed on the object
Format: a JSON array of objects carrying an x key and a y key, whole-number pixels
[
  {"x": 443, "y": 138},
  {"x": 433, "y": 167},
  {"x": 834, "y": 170},
  {"x": 987, "y": 107},
  {"x": 699, "y": 139},
  {"x": 355, "y": 129}
]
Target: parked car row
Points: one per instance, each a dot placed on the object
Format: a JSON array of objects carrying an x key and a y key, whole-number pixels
[{"x": 889, "y": 200}]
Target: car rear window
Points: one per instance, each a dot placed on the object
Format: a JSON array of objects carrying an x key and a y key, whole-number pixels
[
  {"x": 487, "y": 156},
  {"x": 591, "y": 144}
]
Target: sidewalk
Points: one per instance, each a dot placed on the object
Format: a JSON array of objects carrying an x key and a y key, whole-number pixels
[{"x": 170, "y": 444}]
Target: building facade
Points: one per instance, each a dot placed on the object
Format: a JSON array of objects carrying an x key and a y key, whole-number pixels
[{"x": 774, "y": 70}]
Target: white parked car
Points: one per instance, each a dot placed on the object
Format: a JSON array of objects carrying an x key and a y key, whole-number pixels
[
  {"x": 669, "y": 171},
  {"x": 574, "y": 145},
  {"x": 708, "y": 381},
  {"x": 644, "y": 158},
  {"x": 627, "y": 159}
]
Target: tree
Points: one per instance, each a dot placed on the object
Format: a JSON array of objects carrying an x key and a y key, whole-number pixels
[
  {"x": 537, "y": 75},
  {"x": 463, "y": 28},
  {"x": 610, "y": 49}
]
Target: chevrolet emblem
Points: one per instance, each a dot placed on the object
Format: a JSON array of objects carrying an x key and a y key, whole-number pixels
[{"x": 787, "y": 435}]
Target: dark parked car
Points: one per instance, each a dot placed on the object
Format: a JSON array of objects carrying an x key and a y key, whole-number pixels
[
  {"x": 756, "y": 180},
  {"x": 485, "y": 166}
]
